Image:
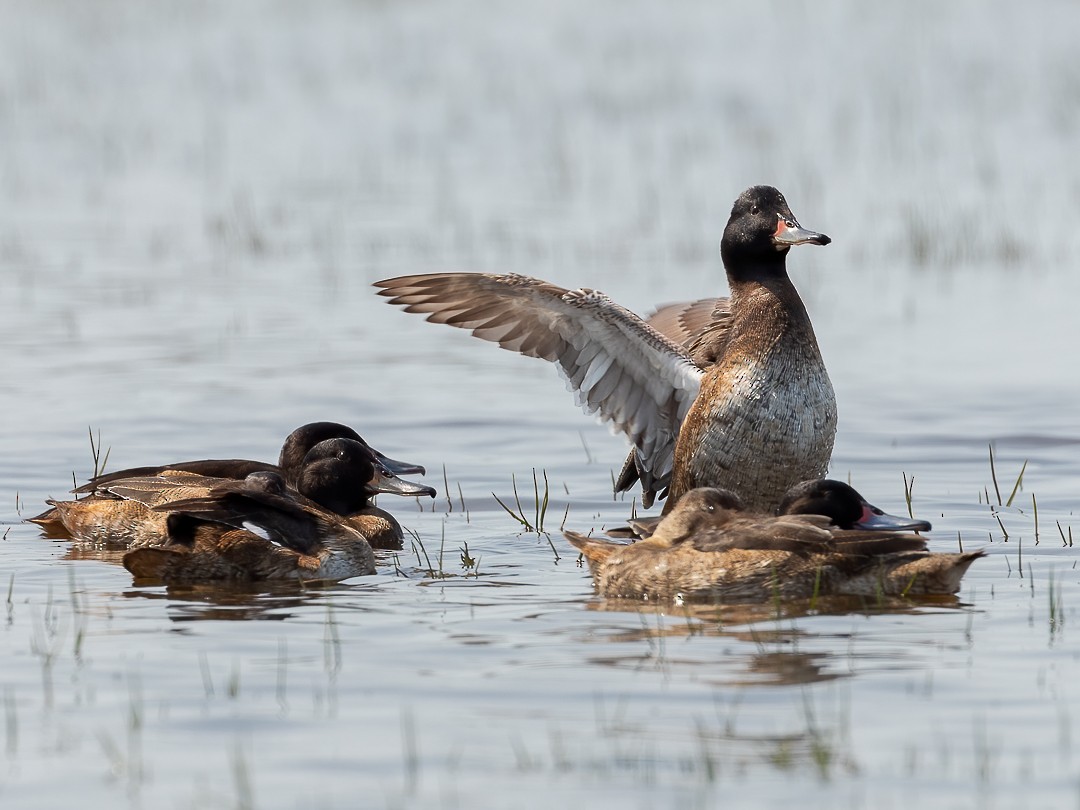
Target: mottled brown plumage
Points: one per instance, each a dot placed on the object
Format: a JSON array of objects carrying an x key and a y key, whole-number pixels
[
  {"x": 213, "y": 552},
  {"x": 379, "y": 526},
  {"x": 125, "y": 516},
  {"x": 766, "y": 414},
  {"x": 709, "y": 549},
  {"x": 212, "y": 537}
]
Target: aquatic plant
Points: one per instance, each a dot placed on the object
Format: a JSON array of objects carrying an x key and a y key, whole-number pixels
[{"x": 540, "y": 505}]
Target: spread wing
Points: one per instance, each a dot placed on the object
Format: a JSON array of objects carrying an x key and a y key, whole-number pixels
[
  {"x": 615, "y": 363},
  {"x": 701, "y": 327}
]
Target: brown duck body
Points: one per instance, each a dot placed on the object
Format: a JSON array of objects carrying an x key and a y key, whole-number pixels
[
  {"x": 379, "y": 526},
  {"x": 650, "y": 570},
  {"x": 205, "y": 541},
  {"x": 708, "y": 549},
  {"x": 765, "y": 417},
  {"x": 135, "y": 524},
  {"x": 99, "y": 519},
  {"x": 213, "y": 552},
  {"x": 220, "y": 554},
  {"x": 126, "y": 516}
]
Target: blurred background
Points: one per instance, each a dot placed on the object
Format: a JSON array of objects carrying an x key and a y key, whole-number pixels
[
  {"x": 196, "y": 197},
  {"x": 194, "y": 200}
]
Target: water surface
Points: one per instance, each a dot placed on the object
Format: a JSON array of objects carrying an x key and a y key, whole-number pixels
[{"x": 195, "y": 200}]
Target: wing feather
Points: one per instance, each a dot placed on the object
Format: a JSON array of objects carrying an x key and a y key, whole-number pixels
[
  {"x": 617, "y": 365},
  {"x": 701, "y": 327}
]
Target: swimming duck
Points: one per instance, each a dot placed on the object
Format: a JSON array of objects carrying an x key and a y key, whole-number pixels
[
  {"x": 341, "y": 474},
  {"x": 709, "y": 548},
  {"x": 748, "y": 407},
  {"x": 296, "y": 446},
  {"x": 845, "y": 507},
  {"x": 211, "y": 537},
  {"x": 290, "y": 460}
]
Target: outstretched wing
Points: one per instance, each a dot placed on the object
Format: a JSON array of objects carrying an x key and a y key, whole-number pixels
[
  {"x": 616, "y": 364},
  {"x": 702, "y": 328}
]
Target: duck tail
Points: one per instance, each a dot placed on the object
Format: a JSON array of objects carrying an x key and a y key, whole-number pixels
[
  {"x": 934, "y": 574},
  {"x": 51, "y": 521},
  {"x": 50, "y": 515},
  {"x": 596, "y": 551}
]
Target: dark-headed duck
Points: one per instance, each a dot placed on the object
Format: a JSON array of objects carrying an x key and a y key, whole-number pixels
[
  {"x": 735, "y": 396},
  {"x": 290, "y": 459},
  {"x": 709, "y": 548},
  {"x": 341, "y": 474},
  {"x": 839, "y": 502}
]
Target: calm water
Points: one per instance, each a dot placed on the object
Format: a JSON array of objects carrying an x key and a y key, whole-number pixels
[{"x": 194, "y": 200}]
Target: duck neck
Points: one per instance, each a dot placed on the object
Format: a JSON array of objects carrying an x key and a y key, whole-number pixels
[
  {"x": 334, "y": 496},
  {"x": 366, "y": 507},
  {"x": 766, "y": 309}
]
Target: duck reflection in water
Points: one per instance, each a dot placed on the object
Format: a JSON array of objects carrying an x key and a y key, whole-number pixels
[{"x": 248, "y": 601}]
